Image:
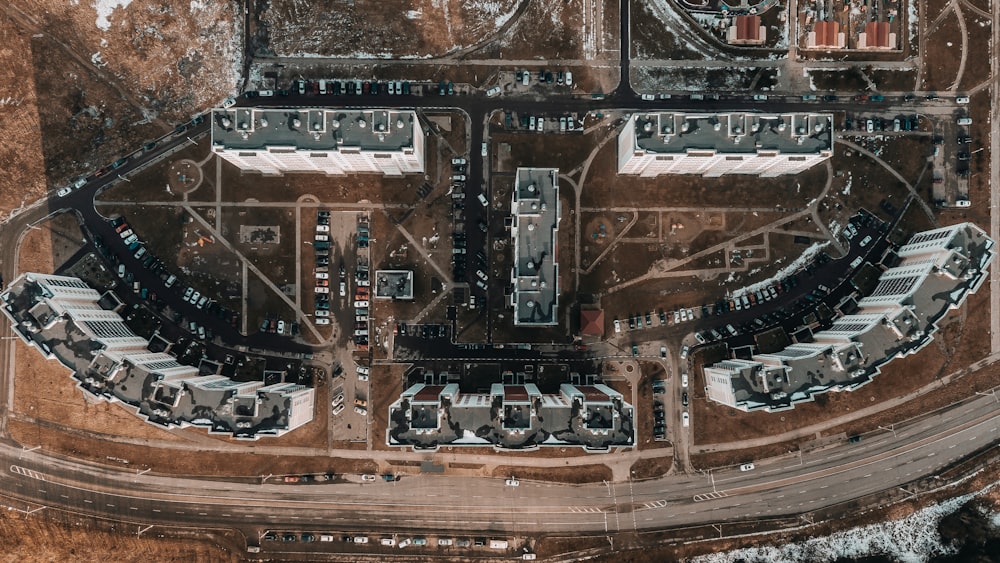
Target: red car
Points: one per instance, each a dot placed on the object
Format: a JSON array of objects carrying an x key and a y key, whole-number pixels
[{"x": 365, "y": 87}]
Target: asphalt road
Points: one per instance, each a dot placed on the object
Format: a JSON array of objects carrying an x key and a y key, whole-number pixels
[{"x": 457, "y": 505}]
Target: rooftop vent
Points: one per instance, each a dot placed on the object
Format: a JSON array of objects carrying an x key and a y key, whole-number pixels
[
  {"x": 717, "y": 126},
  {"x": 296, "y": 122},
  {"x": 335, "y": 124},
  {"x": 399, "y": 124},
  {"x": 362, "y": 123},
  {"x": 317, "y": 126},
  {"x": 263, "y": 122},
  {"x": 818, "y": 127},
  {"x": 243, "y": 125},
  {"x": 226, "y": 122},
  {"x": 781, "y": 126},
  {"x": 647, "y": 127},
  {"x": 685, "y": 126}
]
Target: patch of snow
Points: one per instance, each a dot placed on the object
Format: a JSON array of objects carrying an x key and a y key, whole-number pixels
[
  {"x": 414, "y": 14},
  {"x": 95, "y": 59},
  {"x": 914, "y": 538},
  {"x": 197, "y": 5},
  {"x": 798, "y": 263},
  {"x": 847, "y": 188},
  {"x": 105, "y": 8}
]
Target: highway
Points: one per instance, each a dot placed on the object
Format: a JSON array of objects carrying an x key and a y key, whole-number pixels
[{"x": 454, "y": 505}]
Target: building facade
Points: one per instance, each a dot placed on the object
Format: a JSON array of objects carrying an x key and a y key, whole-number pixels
[
  {"x": 332, "y": 141},
  {"x": 534, "y": 237},
  {"x": 937, "y": 271},
  {"x": 65, "y": 320},
  {"x": 511, "y": 417},
  {"x": 654, "y": 144}
]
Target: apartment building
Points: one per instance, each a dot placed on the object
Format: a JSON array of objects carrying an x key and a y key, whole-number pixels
[
  {"x": 332, "y": 141},
  {"x": 534, "y": 238},
  {"x": 713, "y": 144},
  {"x": 936, "y": 272},
  {"x": 67, "y": 321}
]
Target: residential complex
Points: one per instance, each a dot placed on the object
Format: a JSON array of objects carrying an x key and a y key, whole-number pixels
[
  {"x": 937, "y": 270},
  {"x": 713, "y": 144},
  {"x": 70, "y": 322},
  {"x": 511, "y": 417},
  {"x": 328, "y": 140},
  {"x": 534, "y": 233}
]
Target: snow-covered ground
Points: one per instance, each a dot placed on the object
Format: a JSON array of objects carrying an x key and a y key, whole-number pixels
[
  {"x": 911, "y": 539},
  {"x": 104, "y": 9}
]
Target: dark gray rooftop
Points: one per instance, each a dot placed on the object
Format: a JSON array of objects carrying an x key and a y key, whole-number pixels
[
  {"x": 313, "y": 128},
  {"x": 938, "y": 270},
  {"x": 536, "y": 214},
  {"x": 733, "y": 132},
  {"x": 511, "y": 417},
  {"x": 155, "y": 384}
]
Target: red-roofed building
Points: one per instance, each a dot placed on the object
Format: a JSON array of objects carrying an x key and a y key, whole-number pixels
[
  {"x": 746, "y": 30},
  {"x": 592, "y": 322},
  {"x": 877, "y": 36},
  {"x": 825, "y": 35}
]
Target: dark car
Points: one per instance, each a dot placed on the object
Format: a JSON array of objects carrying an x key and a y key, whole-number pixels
[
  {"x": 308, "y": 537},
  {"x": 288, "y": 537},
  {"x": 854, "y": 439},
  {"x": 964, "y": 140},
  {"x": 963, "y": 156},
  {"x": 374, "y": 88},
  {"x": 684, "y": 398},
  {"x": 119, "y": 163}
]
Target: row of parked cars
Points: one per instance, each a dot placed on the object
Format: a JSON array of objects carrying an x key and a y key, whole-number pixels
[
  {"x": 337, "y": 88},
  {"x": 640, "y": 320},
  {"x": 321, "y": 247},
  {"x": 156, "y": 267}
]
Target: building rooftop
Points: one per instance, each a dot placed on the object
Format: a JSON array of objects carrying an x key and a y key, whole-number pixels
[
  {"x": 937, "y": 271},
  {"x": 733, "y": 133},
  {"x": 313, "y": 128},
  {"x": 394, "y": 284},
  {"x": 109, "y": 361},
  {"x": 535, "y": 274},
  {"x": 511, "y": 417}
]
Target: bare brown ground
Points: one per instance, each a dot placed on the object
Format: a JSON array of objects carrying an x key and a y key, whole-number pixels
[
  {"x": 21, "y": 159},
  {"x": 30, "y": 539},
  {"x": 224, "y": 464},
  {"x": 651, "y": 468},
  {"x": 941, "y": 69},
  {"x": 593, "y": 473}
]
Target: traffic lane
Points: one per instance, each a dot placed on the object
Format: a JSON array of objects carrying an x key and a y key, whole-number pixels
[{"x": 831, "y": 487}]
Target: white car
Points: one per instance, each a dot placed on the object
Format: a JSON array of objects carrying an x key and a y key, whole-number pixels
[
  {"x": 512, "y": 482},
  {"x": 194, "y": 298},
  {"x": 361, "y": 304},
  {"x": 569, "y": 78},
  {"x": 322, "y": 313},
  {"x": 685, "y": 420},
  {"x": 281, "y": 327},
  {"x": 684, "y": 380},
  {"x": 363, "y": 412},
  {"x": 648, "y": 97},
  {"x": 747, "y": 467},
  {"x": 404, "y": 543},
  {"x": 484, "y": 150},
  {"x": 677, "y": 317},
  {"x": 540, "y": 124},
  {"x": 368, "y": 478},
  {"x": 618, "y": 326},
  {"x": 228, "y": 103},
  {"x": 865, "y": 241},
  {"x": 187, "y": 292},
  {"x": 338, "y": 409},
  {"x": 322, "y": 276},
  {"x": 322, "y": 228},
  {"x": 458, "y": 161},
  {"x": 337, "y": 400},
  {"x": 63, "y": 192},
  {"x": 389, "y": 542},
  {"x": 684, "y": 352},
  {"x": 684, "y": 315},
  {"x": 482, "y": 275},
  {"x": 322, "y": 321},
  {"x": 125, "y": 234},
  {"x": 493, "y": 92}
]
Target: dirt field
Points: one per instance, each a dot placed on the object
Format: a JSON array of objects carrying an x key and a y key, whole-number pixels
[
  {"x": 21, "y": 155},
  {"x": 593, "y": 473},
  {"x": 66, "y": 538}
]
